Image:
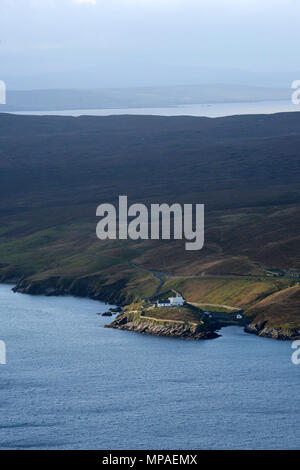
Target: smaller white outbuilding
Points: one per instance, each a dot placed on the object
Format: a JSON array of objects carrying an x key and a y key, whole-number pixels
[
  {"x": 239, "y": 316},
  {"x": 163, "y": 303}
]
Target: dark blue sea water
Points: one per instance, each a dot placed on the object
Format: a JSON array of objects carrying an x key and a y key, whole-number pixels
[{"x": 70, "y": 383}]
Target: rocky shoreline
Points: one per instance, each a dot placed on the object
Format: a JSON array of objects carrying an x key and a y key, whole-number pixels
[
  {"x": 176, "y": 330},
  {"x": 265, "y": 331}
]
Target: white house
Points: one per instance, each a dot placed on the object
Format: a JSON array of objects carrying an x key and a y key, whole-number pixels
[
  {"x": 171, "y": 302},
  {"x": 176, "y": 301},
  {"x": 239, "y": 316}
]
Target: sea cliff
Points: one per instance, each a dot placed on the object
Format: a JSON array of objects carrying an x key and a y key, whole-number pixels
[
  {"x": 113, "y": 293},
  {"x": 267, "y": 331}
]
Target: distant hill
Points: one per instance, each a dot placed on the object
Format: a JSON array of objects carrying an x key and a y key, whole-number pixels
[{"x": 232, "y": 162}]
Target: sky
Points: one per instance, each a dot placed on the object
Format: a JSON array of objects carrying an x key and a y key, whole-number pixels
[{"x": 124, "y": 43}]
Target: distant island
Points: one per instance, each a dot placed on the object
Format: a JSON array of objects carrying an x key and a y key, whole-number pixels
[
  {"x": 55, "y": 171},
  {"x": 138, "y": 97}
]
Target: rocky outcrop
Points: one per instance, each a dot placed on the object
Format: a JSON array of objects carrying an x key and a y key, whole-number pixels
[
  {"x": 115, "y": 309},
  {"x": 147, "y": 327},
  {"x": 267, "y": 331}
]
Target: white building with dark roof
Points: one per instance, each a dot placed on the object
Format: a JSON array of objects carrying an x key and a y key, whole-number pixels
[
  {"x": 176, "y": 301},
  {"x": 171, "y": 302}
]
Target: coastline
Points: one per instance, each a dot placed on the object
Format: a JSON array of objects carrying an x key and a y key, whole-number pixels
[
  {"x": 53, "y": 286},
  {"x": 84, "y": 288},
  {"x": 207, "y": 109},
  {"x": 184, "y": 330}
]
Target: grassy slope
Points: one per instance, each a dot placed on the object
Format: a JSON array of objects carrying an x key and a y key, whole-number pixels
[
  {"x": 239, "y": 293},
  {"x": 280, "y": 309}
]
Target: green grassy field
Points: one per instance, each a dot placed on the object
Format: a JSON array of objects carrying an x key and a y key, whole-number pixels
[{"x": 186, "y": 313}]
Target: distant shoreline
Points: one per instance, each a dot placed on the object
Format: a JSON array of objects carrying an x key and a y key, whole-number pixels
[{"x": 209, "y": 110}]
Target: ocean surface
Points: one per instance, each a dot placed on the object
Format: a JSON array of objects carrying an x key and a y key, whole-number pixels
[
  {"x": 69, "y": 383},
  {"x": 208, "y": 110}
]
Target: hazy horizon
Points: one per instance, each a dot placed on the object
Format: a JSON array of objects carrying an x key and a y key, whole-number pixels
[{"x": 88, "y": 44}]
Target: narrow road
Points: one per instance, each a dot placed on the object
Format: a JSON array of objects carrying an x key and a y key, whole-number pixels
[
  {"x": 196, "y": 304},
  {"x": 161, "y": 275},
  {"x": 155, "y": 274},
  {"x": 167, "y": 320}
]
